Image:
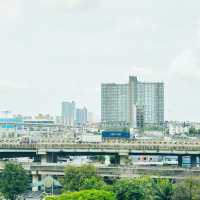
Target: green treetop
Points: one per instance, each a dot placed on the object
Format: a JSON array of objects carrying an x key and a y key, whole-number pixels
[
  {"x": 13, "y": 181},
  {"x": 85, "y": 195}
]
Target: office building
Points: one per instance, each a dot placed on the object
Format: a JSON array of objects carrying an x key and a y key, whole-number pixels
[
  {"x": 68, "y": 113},
  {"x": 135, "y": 104}
]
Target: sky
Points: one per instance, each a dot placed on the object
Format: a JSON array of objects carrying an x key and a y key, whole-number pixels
[{"x": 62, "y": 50}]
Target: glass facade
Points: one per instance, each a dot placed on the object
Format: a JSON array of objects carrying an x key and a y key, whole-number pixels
[{"x": 68, "y": 113}]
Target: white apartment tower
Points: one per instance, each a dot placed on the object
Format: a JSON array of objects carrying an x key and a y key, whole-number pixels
[{"x": 137, "y": 103}]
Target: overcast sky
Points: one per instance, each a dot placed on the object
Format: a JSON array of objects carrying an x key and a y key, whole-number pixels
[{"x": 56, "y": 50}]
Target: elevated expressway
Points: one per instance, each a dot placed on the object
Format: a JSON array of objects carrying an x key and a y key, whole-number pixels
[
  {"x": 40, "y": 170},
  {"x": 121, "y": 171},
  {"x": 46, "y": 152}
]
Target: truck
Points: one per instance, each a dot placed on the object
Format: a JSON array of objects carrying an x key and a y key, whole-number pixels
[{"x": 89, "y": 138}]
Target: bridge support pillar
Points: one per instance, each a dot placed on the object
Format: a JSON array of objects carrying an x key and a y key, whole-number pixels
[
  {"x": 107, "y": 160},
  {"x": 198, "y": 161},
  {"x": 35, "y": 182},
  {"x": 124, "y": 158},
  {"x": 193, "y": 161},
  {"x": 44, "y": 158},
  {"x": 180, "y": 160}
]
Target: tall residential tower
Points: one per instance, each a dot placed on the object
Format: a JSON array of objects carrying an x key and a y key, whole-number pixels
[{"x": 136, "y": 104}]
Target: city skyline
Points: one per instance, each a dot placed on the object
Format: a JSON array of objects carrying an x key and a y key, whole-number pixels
[{"x": 55, "y": 51}]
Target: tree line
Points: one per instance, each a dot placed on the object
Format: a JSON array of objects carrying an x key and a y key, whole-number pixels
[{"x": 83, "y": 183}]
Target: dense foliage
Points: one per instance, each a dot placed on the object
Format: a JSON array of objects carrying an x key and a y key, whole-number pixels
[
  {"x": 187, "y": 190},
  {"x": 76, "y": 176},
  {"x": 83, "y": 183},
  {"x": 85, "y": 195},
  {"x": 93, "y": 183},
  {"x": 129, "y": 189},
  {"x": 162, "y": 189},
  {"x": 13, "y": 181}
]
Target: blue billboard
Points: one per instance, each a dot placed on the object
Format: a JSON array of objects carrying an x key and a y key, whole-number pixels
[{"x": 116, "y": 134}]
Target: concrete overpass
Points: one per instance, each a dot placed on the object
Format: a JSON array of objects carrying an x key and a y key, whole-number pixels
[
  {"x": 48, "y": 151},
  {"x": 121, "y": 171},
  {"x": 46, "y": 154},
  {"x": 40, "y": 170}
]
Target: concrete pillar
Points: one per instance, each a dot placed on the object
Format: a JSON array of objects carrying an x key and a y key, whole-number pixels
[
  {"x": 180, "y": 160},
  {"x": 193, "y": 161},
  {"x": 44, "y": 158},
  {"x": 123, "y": 160},
  {"x": 198, "y": 161},
  {"x": 35, "y": 182},
  {"x": 107, "y": 160},
  {"x": 43, "y": 176}
]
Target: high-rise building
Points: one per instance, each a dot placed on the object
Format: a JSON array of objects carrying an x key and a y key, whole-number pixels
[
  {"x": 137, "y": 104},
  {"x": 68, "y": 113},
  {"x": 114, "y": 104},
  {"x": 81, "y": 116}
]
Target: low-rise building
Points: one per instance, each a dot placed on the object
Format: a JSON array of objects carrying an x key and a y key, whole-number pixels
[{"x": 177, "y": 128}]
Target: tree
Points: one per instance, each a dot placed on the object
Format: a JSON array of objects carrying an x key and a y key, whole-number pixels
[
  {"x": 51, "y": 198},
  {"x": 85, "y": 195},
  {"x": 93, "y": 183},
  {"x": 13, "y": 181},
  {"x": 75, "y": 176},
  {"x": 146, "y": 183},
  {"x": 129, "y": 190},
  {"x": 163, "y": 189},
  {"x": 188, "y": 189}
]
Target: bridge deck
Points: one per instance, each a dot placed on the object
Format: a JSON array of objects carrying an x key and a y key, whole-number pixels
[{"x": 131, "y": 148}]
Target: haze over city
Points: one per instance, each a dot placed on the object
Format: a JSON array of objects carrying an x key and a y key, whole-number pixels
[
  {"x": 99, "y": 99},
  {"x": 52, "y": 51}
]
